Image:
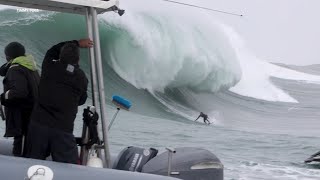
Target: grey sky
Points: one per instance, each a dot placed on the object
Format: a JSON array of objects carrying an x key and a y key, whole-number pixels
[{"x": 285, "y": 31}]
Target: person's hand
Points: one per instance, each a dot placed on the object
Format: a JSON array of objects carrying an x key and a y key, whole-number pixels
[{"x": 85, "y": 43}]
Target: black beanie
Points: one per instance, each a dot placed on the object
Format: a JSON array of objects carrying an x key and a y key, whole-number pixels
[
  {"x": 14, "y": 50},
  {"x": 70, "y": 54}
]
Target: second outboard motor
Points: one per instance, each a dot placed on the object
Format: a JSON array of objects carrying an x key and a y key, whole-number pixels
[
  {"x": 133, "y": 158},
  {"x": 186, "y": 163},
  {"x": 313, "y": 158}
]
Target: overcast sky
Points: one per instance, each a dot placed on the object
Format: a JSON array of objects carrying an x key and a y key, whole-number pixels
[{"x": 286, "y": 31}]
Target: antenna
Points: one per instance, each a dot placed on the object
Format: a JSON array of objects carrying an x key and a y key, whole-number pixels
[{"x": 209, "y": 9}]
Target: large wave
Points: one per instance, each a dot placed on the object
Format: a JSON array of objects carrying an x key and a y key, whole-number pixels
[
  {"x": 155, "y": 50},
  {"x": 182, "y": 62}
]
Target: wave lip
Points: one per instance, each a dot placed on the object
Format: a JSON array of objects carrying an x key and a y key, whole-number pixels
[{"x": 153, "y": 52}]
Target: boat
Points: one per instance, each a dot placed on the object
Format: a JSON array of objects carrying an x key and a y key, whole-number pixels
[
  {"x": 96, "y": 162},
  {"x": 315, "y": 158}
]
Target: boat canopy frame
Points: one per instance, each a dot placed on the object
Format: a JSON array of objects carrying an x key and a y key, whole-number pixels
[
  {"x": 67, "y": 6},
  {"x": 90, "y": 9}
]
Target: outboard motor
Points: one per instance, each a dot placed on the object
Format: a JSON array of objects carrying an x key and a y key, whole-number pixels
[
  {"x": 186, "y": 163},
  {"x": 133, "y": 158}
]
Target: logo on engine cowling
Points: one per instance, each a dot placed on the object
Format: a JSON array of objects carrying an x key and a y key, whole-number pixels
[{"x": 146, "y": 152}]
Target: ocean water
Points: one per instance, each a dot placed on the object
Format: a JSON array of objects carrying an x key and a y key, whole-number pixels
[{"x": 171, "y": 66}]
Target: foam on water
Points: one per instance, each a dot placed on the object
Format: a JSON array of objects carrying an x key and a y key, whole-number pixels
[{"x": 253, "y": 171}]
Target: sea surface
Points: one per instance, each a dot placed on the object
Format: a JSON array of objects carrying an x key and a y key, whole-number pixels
[{"x": 265, "y": 117}]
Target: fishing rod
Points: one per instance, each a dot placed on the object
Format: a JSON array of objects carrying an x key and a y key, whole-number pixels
[{"x": 200, "y": 7}]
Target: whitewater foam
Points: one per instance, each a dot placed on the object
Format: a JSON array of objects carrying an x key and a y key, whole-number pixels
[
  {"x": 156, "y": 51},
  {"x": 256, "y": 73},
  {"x": 254, "y": 170}
]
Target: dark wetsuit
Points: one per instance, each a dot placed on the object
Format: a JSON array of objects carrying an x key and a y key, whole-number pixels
[
  {"x": 205, "y": 118},
  {"x": 63, "y": 87}
]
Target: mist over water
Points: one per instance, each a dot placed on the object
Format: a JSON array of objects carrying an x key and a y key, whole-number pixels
[{"x": 172, "y": 64}]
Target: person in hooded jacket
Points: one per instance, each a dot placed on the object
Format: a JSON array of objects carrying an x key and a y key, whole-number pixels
[
  {"x": 63, "y": 87},
  {"x": 20, "y": 84}
]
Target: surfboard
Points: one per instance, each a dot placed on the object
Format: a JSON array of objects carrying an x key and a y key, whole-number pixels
[{"x": 201, "y": 122}]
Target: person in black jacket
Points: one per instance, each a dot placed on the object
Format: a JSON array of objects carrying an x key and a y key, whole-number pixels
[
  {"x": 20, "y": 83},
  {"x": 63, "y": 87}
]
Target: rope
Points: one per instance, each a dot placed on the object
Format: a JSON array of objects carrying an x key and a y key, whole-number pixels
[{"x": 209, "y": 9}]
